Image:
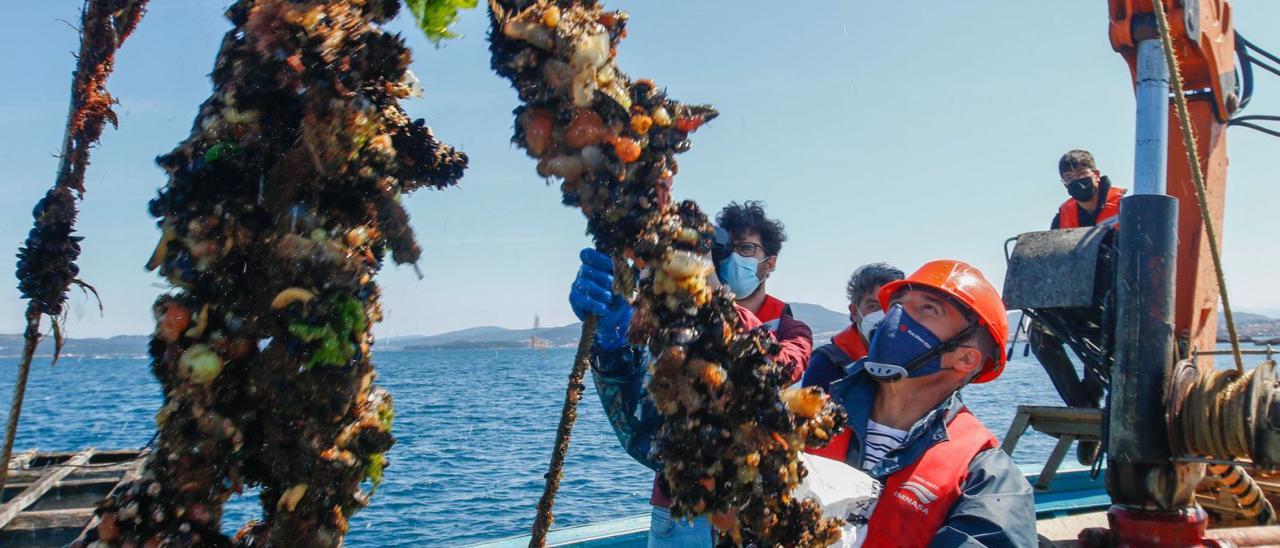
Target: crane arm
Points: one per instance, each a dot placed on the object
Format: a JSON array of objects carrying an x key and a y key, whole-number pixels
[{"x": 1203, "y": 33}]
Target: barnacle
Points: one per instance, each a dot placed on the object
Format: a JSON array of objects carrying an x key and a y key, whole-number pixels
[
  {"x": 627, "y": 149},
  {"x": 280, "y": 207},
  {"x": 172, "y": 319},
  {"x": 640, "y": 123},
  {"x": 804, "y": 402},
  {"x": 587, "y": 128},
  {"x": 289, "y": 500},
  {"x": 729, "y": 442},
  {"x": 292, "y": 295},
  {"x": 200, "y": 364}
]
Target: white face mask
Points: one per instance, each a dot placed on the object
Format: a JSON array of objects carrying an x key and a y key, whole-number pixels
[{"x": 869, "y": 322}]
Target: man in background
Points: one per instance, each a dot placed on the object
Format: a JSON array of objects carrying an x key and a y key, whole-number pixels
[
  {"x": 829, "y": 361},
  {"x": 1093, "y": 200},
  {"x": 748, "y": 255}
]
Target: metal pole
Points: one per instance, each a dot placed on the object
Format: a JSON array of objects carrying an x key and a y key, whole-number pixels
[
  {"x": 1147, "y": 487},
  {"x": 1151, "y": 152},
  {"x": 1144, "y": 334}
]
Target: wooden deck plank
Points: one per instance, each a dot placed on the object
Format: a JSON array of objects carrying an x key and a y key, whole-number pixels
[
  {"x": 33, "y": 493},
  {"x": 50, "y": 519},
  {"x": 20, "y": 460},
  {"x": 132, "y": 474},
  {"x": 115, "y": 470}
]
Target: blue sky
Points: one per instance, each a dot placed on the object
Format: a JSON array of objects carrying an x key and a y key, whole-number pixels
[{"x": 874, "y": 130}]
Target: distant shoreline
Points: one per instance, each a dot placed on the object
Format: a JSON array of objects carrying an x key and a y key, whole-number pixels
[
  {"x": 470, "y": 345},
  {"x": 1253, "y": 328}
]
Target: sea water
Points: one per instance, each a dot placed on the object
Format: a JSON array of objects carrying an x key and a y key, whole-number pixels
[{"x": 474, "y": 430}]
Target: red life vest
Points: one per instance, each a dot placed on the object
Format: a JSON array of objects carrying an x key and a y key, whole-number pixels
[
  {"x": 850, "y": 342},
  {"x": 1069, "y": 212},
  {"x": 917, "y": 499},
  {"x": 771, "y": 312},
  {"x": 836, "y": 449}
]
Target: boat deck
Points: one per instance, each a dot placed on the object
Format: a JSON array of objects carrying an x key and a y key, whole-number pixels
[
  {"x": 50, "y": 497},
  {"x": 1074, "y": 500}
]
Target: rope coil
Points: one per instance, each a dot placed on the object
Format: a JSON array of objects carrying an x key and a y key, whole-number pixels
[
  {"x": 1212, "y": 420},
  {"x": 1216, "y": 420}
]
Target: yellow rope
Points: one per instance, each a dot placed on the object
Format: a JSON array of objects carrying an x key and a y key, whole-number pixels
[{"x": 1193, "y": 157}]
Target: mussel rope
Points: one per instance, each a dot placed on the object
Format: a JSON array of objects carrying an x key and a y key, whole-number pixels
[
  {"x": 569, "y": 413},
  {"x": 19, "y": 392},
  {"x": 104, "y": 26},
  {"x": 1193, "y": 158},
  {"x": 1245, "y": 492}
]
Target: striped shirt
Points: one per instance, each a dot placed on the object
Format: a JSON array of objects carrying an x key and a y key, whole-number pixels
[{"x": 881, "y": 440}]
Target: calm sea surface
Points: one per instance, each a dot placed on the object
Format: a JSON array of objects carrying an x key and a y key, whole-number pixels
[{"x": 474, "y": 432}]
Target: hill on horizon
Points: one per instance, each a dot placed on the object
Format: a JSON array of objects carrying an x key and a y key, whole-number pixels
[{"x": 823, "y": 321}]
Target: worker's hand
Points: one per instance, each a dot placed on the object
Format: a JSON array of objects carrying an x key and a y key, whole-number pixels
[{"x": 592, "y": 295}]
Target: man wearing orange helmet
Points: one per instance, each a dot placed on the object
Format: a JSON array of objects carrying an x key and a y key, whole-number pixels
[{"x": 946, "y": 480}]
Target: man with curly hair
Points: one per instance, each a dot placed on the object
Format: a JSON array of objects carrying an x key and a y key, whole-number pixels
[
  {"x": 751, "y": 255},
  {"x": 748, "y": 243}
]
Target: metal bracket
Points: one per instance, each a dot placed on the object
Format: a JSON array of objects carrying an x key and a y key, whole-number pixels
[{"x": 1054, "y": 268}]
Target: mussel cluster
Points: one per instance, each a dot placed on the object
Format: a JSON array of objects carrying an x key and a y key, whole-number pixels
[
  {"x": 47, "y": 259},
  {"x": 278, "y": 211},
  {"x": 731, "y": 436}
]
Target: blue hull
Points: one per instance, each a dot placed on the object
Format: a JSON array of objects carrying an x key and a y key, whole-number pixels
[{"x": 1073, "y": 492}]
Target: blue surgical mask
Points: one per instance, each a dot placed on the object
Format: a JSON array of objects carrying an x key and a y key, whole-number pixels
[
  {"x": 904, "y": 348},
  {"x": 739, "y": 273}
]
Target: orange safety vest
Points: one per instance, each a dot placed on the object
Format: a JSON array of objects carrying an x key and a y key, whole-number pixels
[
  {"x": 917, "y": 499},
  {"x": 1069, "y": 212}
]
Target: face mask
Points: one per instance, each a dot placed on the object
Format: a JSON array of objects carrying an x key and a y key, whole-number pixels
[
  {"x": 739, "y": 273},
  {"x": 1081, "y": 189},
  {"x": 869, "y": 323},
  {"x": 903, "y": 348}
]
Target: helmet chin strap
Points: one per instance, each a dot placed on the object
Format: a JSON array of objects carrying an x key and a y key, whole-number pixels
[{"x": 946, "y": 346}]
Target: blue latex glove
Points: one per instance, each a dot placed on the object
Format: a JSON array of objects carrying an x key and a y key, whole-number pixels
[{"x": 592, "y": 295}]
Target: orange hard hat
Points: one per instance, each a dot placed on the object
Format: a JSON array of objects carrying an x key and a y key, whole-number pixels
[{"x": 970, "y": 289}]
